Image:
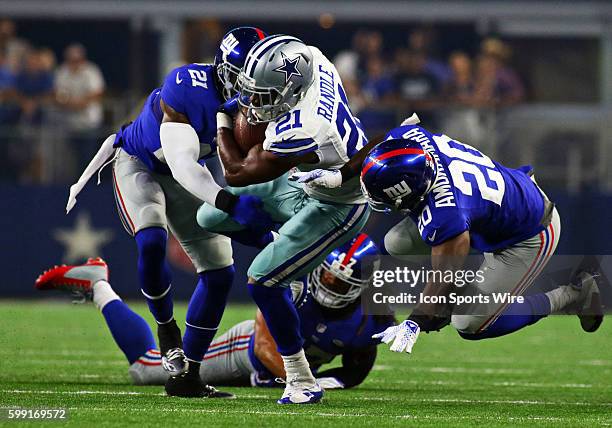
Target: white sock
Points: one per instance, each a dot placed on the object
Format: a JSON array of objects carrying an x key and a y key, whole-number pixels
[
  {"x": 296, "y": 366},
  {"x": 103, "y": 294},
  {"x": 562, "y": 296}
]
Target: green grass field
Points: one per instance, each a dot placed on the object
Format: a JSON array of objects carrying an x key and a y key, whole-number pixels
[{"x": 58, "y": 355}]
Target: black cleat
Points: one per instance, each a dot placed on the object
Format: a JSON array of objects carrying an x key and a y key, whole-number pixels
[
  {"x": 588, "y": 307},
  {"x": 171, "y": 349},
  {"x": 191, "y": 385}
]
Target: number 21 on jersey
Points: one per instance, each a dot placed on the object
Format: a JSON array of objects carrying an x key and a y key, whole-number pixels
[{"x": 466, "y": 160}]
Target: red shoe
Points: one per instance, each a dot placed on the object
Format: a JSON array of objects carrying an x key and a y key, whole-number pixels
[{"x": 77, "y": 279}]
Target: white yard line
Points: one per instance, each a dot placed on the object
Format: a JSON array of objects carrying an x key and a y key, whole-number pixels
[
  {"x": 338, "y": 415},
  {"x": 259, "y": 396},
  {"x": 481, "y": 383}
]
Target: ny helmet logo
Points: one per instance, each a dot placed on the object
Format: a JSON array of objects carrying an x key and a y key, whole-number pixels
[
  {"x": 228, "y": 45},
  {"x": 400, "y": 190}
]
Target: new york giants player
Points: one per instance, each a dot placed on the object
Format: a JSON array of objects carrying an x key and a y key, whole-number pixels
[
  {"x": 160, "y": 180},
  {"x": 327, "y": 301},
  {"x": 297, "y": 91},
  {"x": 460, "y": 198}
]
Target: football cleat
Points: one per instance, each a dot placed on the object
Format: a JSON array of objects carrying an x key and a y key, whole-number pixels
[
  {"x": 191, "y": 385},
  {"x": 171, "y": 349},
  {"x": 588, "y": 307},
  {"x": 175, "y": 362},
  {"x": 76, "y": 279},
  {"x": 297, "y": 392}
]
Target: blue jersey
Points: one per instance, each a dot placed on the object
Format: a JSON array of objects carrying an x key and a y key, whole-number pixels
[
  {"x": 189, "y": 90},
  {"x": 499, "y": 206},
  {"x": 326, "y": 337}
]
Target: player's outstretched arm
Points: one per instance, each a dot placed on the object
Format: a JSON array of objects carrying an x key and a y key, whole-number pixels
[
  {"x": 265, "y": 348},
  {"x": 334, "y": 178},
  {"x": 356, "y": 365},
  {"x": 449, "y": 255}
]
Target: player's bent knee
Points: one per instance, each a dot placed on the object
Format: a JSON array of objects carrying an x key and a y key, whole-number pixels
[
  {"x": 210, "y": 218},
  {"x": 209, "y": 254},
  {"x": 403, "y": 240},
  {"x": 468, "y": 324},
  {"x": 152, "y": 243}
]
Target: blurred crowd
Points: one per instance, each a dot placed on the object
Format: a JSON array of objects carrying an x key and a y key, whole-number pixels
[
  {"x": 381, "y": 83},
  {"x": 37, "y": 95},
  {"x": 51, "y": 114}
]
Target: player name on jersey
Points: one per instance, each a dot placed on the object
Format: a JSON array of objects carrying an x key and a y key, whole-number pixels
[
  {"x": 443, "y": 194},
  {"x": 327, "y": 89}
]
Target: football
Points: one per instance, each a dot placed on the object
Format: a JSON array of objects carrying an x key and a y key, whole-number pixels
[{"x": 248, "y": 135}]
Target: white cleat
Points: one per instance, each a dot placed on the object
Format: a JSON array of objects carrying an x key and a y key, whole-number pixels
[{"x": 297, "y": 392}]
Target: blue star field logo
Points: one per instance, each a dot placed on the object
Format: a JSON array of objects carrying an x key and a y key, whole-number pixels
[{"x": 289, "y": 67}]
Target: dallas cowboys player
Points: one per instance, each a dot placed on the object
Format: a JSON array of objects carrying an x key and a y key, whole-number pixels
[
  {"x": 327, "y": 301},
  {"x": 160, "y": 180},
  {"x": 297, "y": 91},
  {"x": 459, "y": 197}
]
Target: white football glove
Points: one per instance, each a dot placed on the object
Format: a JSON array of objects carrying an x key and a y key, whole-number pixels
[
  {"x": 412, "y": 120},
  {"x": 329, "y": 179},
  {"x": 405, "y": 335},
  {"x": 330, "y": 383}
]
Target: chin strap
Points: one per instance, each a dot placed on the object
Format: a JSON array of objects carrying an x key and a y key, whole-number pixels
[{"x": 96, "y": 164}]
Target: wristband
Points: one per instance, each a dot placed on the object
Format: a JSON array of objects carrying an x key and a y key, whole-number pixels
[
  {"x": 224, "y": 120},
  {"x": 225, "y": 201}
]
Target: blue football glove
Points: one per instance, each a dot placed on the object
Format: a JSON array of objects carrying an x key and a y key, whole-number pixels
[
  {"x": 230, "y": 107},
  {"x": 403, "y": 335},
  {"x": 248, "y": 211}
]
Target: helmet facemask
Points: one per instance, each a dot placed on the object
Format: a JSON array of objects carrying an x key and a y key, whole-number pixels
[
  {"x": 334, "y": 287},
  {"x": 228, "y": 76},
  {"x": 266, "y": 104}
]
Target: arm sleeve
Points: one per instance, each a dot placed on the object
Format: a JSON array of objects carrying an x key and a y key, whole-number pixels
[
  {"x": 181, "y": 148},
  {"x": 356, "y": 365}
]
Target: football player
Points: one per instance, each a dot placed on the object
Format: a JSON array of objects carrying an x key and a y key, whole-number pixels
[
  {"x": 327, "y": 301},
  {"x": 297, "y": 92},
  {"x": 160, "y": 180},
  {"x": 457, "y": 198}
]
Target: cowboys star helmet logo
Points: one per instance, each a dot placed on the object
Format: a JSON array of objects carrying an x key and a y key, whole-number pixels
[{"x": 289, "y": 67}]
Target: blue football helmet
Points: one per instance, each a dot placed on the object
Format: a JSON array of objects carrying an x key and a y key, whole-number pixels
[
  {"x": 343, "y": 275},
  {"x": 232, "y": 53},
  {"x": 397, "y": 175}
]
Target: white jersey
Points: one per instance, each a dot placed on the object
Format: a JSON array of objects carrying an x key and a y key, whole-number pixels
[{"x": 321, "y": 122}]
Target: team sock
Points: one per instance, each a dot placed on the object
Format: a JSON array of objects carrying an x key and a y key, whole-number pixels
[
  {"x": 281, "y": 317},
  {"x": 562, "y": 296},
  {"x": 297, "y": 367},
  {"x": 129, "y": 330},
  {"x": 205, "y": 311},
  {"x": 154, "y": 272},
  {"x": 515, "y": 317}
]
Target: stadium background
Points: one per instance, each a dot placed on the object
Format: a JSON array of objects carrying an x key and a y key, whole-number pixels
[{"x": 527, "y": 82}]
